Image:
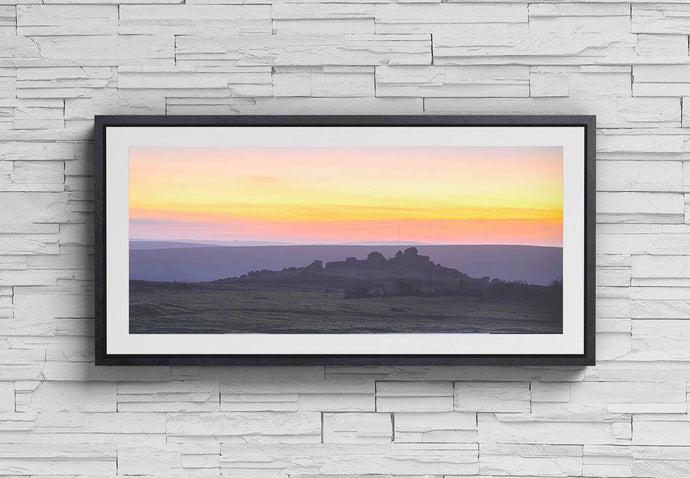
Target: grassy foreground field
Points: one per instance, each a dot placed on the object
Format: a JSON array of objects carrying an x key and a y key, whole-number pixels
[{"x": 180, "y": 310}]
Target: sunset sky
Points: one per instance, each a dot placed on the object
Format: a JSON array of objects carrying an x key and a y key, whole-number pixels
[{"x": 336, "y": 195}]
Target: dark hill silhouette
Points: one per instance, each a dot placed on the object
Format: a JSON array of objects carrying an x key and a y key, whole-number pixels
[{"x": 407, "y": 273}]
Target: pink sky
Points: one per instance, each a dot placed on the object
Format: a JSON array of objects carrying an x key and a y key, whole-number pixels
[{"x": 347, "y": 194}]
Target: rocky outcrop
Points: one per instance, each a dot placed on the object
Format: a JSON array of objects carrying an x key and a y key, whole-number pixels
[
  {"x": 407, "y": 273},
  {"x": 404, "y": 263}
]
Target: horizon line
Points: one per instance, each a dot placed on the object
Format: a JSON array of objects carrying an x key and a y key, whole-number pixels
[{"x": 259, "y": 243}]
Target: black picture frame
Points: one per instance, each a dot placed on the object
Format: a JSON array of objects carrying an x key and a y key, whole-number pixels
[{"x": 588, "y": 122}]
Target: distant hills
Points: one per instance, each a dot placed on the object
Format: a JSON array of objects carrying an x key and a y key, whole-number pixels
[{"x": 185, "y": 262}]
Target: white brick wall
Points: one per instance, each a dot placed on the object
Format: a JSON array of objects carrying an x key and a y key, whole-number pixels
[{"x": 62, "y": 61}]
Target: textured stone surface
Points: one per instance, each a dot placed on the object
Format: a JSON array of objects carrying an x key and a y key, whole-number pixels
[
  {"x": 492, "y": 397},
  {"x": 63, "y": 61}
]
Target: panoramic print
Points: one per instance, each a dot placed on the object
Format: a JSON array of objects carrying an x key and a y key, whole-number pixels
[{"x": 345, "y": 240}]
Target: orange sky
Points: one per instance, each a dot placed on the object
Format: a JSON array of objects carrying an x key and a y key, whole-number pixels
[{"x": 324, "y": 195}]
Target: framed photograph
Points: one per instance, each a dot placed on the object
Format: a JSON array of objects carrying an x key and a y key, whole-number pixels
[{"x": 345, "y": 240}]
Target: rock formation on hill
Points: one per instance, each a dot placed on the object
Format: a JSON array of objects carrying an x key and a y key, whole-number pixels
[
  {"x": 405, "y": 274},
  {"x": 407, "y": 262}
]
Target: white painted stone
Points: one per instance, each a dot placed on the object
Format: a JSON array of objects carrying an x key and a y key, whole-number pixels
[
  {"x": 459, "y": 373},
  {"x": 557, "y": 10},
  {"x": 492, "y": 397},
  {"x": 195, "y": 19},
  {"x": 357, "y": 428},
  {"x": 326, "y": 394},
  {"x": 38, "y": 113},
  {"x": 37, "y": 310},
  {"x": 658, "y": 18},
  {"x": 115, "y": 2},
  {"x": 606, "y": 460},
  {"x": 323, "y": 18},
  {"x": 64, "y": 82},
  {"x": 526, "y": 460},
  {"x": 29, "y": 459},
  {"x": 613, "y": 307},
  {"x": 337, "y": 459},
  {"x": 261, "y": 376},
  {"x": 550, "y": 392},
  {"x": 659, "y": 309},
  {"x": 659, "y": 293},
  {"x": 348, "y": 26},
  {"x": 18, "y": 242},
  {"x": 8, "y": 20},
  {"x": 640, "y": 143},
  {"x": 8, "y": 85},
  {"x": 449, "y": 81},
  {"x": 667, "y": 461},
  {"x": 566, "y": 412},
  {"x": 641, "y": 207},
  {"x": 274, "y": 402},
  {"x": 20, "y": 364},
  {"x": 659, "y": 176},
  {"x": 35, "y": 174},
  {"x": 180, "y": 396},
  {"x": 17, "y": 422},
  {"x": 414, "y": 396},
  {"x": 113, "y": 102},
  {"x": 578, "y": 17},
  {"x": 94, "y": 423},
  {"x": 610, "y": 371},
  {"x": 542, "y": 84},
  {"x": 611, "y": 346},
  {"x": 108, "y": 50},
  {"x": 25, "y": 151},
  {"x": 660, "y": 270},
  {"x": 321, "y": 11},
  {"x": 580, "y": 23},
  {"x": 293, "y": 50},
  {"x": 7, "y": 397},
  {"x": 531, "y": 44},
  {"x": 661, "y": 433},
  {"x": 396, "y": 18},
  {"x": 661, "y": 340},
  {"x": 295, "y": 106},
  {"x": 494, "y": 430},
  {"x": 340, "y": 84},
  {"x": 632, "y": 397},
  {"x": 289, "y": 427},
  {"x": 661, "y": 80},
  {"x": 318, "y": 82},
  {"x": 66, "y": 397},
  {"x": 661, "y": 45},
  {"x": 443, "y": 427},
  {"x": 33, "y": 20},
  {"x": 253, "y": 81},
  {"x": 149, "y": 460},
  {"x": 613, "y": 277},
  {"x": 611, "y": 112},
  {"x": 87, "y": 371},
  {"x": 17, "y": 48}
]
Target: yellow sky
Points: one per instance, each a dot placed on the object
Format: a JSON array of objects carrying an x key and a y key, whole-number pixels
[{"x": 347, "y": 194}]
